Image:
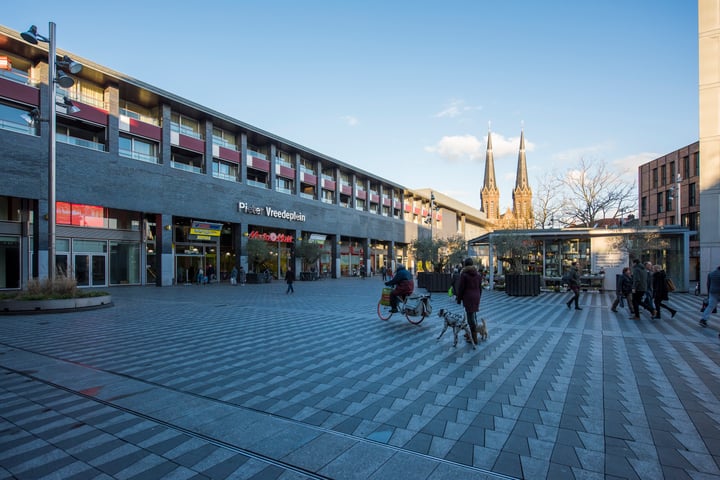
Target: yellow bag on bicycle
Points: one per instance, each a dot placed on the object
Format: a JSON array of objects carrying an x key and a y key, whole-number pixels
[{"x": 385, "y": 297}]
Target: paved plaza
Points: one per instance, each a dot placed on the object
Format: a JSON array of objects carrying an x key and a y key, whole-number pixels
[{"x": 246, "y": 382}]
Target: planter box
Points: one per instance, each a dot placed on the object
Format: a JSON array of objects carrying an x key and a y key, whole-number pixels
[
  {"x": 522, "y": 285},
  {"x": 62, "y": 305},
  {"x": 434, "y": 282}
]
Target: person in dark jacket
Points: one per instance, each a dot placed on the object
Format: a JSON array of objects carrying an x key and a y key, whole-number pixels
[
  {"x": 574, "y": 285},
  {"x": 469, "y": 292},
  {"x": 403, "y": 283},
  {"x": 660, "y": 291},
  {"x": 289, "y": 279},
  {"x": 640, "y": 286},
  {"x": 713, "y": 287},
  {"x": 624, "y": 290}
]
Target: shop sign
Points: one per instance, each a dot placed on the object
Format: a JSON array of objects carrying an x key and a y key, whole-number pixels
[
  {"x": 271, "y": 237},
  {"x": 290, "y": 216},
  {"x": 205, "y": 230}
]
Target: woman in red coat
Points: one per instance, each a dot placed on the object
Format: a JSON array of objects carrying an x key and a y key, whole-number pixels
[{"x": 469, "y": 291}]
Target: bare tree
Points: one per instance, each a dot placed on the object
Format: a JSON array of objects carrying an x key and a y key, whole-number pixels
[
  {"x": 592, "y": 191},
  {"x": 547, "y": 204}
]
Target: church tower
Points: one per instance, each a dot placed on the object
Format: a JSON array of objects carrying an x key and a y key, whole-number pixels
[
  {"x": 522, "y": 195},
  {"x": 490, "y": 195}
]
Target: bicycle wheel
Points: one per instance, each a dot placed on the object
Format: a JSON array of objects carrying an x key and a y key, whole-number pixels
[
  {"x": 416, "y": 320},
  {"x": 384, "y": 311}
]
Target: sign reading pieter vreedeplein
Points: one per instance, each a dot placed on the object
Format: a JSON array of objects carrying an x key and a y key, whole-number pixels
[{"x": 290, "y": 216}]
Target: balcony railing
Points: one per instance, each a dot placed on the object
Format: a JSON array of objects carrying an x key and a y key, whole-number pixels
[
  {"x": 143, "y": 157},
  {"x": 80, "y": 142},
  {"x": 186, "y": 167},
  {"x": 140, "y": 117}
]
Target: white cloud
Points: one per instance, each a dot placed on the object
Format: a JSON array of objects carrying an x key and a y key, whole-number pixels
[
  {"x": 469, "y": 147},
  {"x": 455, "y": 109},
  {"x": 350, "y": 120},
  {"x": 458, "y": 147}
]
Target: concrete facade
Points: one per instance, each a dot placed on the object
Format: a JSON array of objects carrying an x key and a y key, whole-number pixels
[{"x": 709, "y": 123}]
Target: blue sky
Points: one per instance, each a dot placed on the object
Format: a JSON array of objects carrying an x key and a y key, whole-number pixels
[{"x": 407, "y": 89}]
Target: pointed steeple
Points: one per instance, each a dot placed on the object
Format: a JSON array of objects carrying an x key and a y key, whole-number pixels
[
  {"x": 489, "y": 195},
  {"x": 521, "y": 179},
  {"x": 522, "y": 194}
]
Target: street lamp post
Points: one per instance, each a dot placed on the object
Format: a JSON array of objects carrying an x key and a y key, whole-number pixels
[
  {"x": 679, "y": 203},
  {"x": 65, "y": 81}
]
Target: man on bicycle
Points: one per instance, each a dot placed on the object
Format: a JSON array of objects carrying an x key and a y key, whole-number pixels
[{"x": 404, "y": 285}]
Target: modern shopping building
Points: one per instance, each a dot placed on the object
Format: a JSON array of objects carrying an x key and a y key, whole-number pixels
[
  {"x": 150, "y": 187},
  {"x": 669, "y": 194}
]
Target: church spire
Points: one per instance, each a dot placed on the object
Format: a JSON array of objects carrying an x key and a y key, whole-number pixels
[
  {"x": 521, "y": 179},
  {"x": 522, "y": 194},
  {"x": 489, "y": 195}
]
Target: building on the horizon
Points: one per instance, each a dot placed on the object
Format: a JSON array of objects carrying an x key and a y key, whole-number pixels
[{"x": 521, "y": 215}]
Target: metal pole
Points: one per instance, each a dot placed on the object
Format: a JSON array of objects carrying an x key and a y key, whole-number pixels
[
  {"x": 679, "y": 203},
  {"x": 52, "y": 72}
]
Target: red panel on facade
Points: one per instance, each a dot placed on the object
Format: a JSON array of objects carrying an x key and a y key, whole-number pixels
[
  {"x": 286, "y": 172},
  {"x": 386, "y": 202},
  {"x": 19, "y": 92},
  {"x": 229, "y": 155},
  {"x": 346, "y": 189},
  {"x": 328, "y": 184},
  {"x": 407, "y": 207},
  {"x": 374, "y": 198},
  {"x": 259, "y": 164},
  {"x": 145, "y": 129},
  {"x": 362, "y": 194},
  {"x": 90, "y": 113},
  {"x": 308, "y": 178},
  {"x": 194, "y": 144}
]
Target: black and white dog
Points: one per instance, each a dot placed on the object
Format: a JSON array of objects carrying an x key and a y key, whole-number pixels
[{"x": 457, "y": 322}]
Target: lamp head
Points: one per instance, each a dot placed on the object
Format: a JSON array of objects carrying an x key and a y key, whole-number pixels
[
  {"x": 70, "y": 65},
  {"x": 31, "y": 117},
  {"x": 31, "y": 36},
  {"x": 71, "y": 108},
  {"x": 64, "y": 80}
]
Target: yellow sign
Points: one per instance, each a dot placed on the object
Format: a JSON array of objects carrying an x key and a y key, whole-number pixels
[{"x": 205, "y": 232}]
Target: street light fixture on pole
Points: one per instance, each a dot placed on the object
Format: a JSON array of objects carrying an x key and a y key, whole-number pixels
[{"x": 65, "y": 81}]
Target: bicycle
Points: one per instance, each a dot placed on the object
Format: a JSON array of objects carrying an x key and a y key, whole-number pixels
[{"x": 415, "y": 307}]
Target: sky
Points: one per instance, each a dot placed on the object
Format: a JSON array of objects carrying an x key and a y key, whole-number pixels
[{"x": 408, "y": 90}]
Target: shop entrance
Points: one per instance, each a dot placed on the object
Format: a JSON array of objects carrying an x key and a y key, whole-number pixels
[
  {"x": 187, "y": 267},
  {"x": 89, "y": 270},
  {"x": 90, "y": 266}
]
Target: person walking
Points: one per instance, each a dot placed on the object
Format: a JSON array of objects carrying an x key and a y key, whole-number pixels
[
  {"x": 289, "y": 279},
  {"x": 623, "y": 290},
  {"x": 660, "y": 291},
  {"x": 233, "y": 275},
  {"x": 640, "y": 286},
  {"x": 403, "y": 283},
  {"x": 574, "y": 286},
  {"x": 242, "y": 276},
  {"x": 713, "y": 287},
  {"x": 469, "y": 293},
  {"x": 649, "y": 298}
]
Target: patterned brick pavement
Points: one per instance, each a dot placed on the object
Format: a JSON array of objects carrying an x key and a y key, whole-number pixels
[{"x": 247, "y": 382}]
